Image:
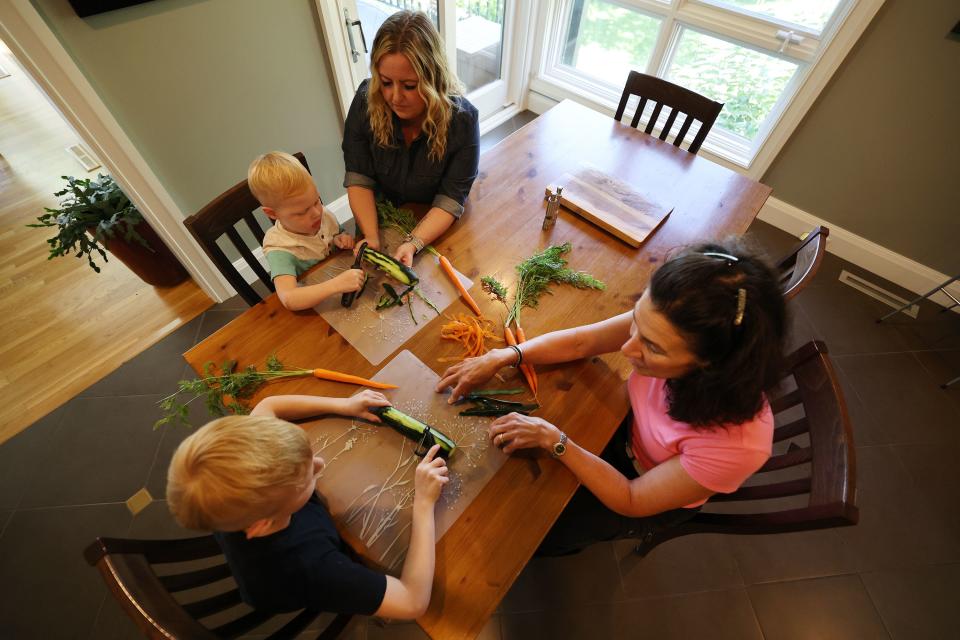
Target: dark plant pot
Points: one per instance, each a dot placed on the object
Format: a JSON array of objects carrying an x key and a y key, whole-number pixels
[{"x": 159, "y": 267}]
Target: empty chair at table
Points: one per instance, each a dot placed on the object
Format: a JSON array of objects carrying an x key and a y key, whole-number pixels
[{"x": 683, "y": 108}]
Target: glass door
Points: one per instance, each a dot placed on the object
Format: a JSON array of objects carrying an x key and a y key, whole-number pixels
[{"x": 474, "y": 32}]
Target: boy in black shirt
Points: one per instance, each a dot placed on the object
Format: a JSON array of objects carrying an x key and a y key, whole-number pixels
[{"x": 252, "y": 480}]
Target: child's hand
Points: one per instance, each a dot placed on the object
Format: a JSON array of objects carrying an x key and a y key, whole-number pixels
[
  {"x": 343, "y": 241},
  {"x": 349, "y": 281},
  {"x": 432, "y": 474},
  {"x": 358, "y": 404},
  {"x": 405, "y": 253}
]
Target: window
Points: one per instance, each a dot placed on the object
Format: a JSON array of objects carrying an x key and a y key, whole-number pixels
[{"x": 752, "y": 55}]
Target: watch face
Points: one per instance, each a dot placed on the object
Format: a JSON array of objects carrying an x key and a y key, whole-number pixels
[{"x": 559, "y": 449}]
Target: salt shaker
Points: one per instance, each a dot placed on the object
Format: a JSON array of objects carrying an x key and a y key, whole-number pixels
[{"x": 553, "y": 209}]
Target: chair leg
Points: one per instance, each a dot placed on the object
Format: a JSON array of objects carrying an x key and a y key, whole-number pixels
[
  {"x": 947, "y": 384},
  {"x": 646, "y": 544}
]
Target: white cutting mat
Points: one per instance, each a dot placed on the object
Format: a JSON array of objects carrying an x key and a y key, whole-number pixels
[
  {"x": 377, "y": 334},
  {"x": 369, "y": 478}
]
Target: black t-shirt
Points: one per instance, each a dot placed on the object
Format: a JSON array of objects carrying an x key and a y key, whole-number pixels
[{"x": 302, "y": 567}]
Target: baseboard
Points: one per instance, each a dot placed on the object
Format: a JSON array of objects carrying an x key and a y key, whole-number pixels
[
  {"x": 887, "y": 264},
  {"x": 340, "y": 208}
]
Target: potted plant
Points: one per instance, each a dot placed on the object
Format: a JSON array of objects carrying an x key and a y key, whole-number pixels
[{"x": 96, "y": 216}]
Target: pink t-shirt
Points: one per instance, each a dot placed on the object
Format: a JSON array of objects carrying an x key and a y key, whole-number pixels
[{"x": 720, "y": 459}]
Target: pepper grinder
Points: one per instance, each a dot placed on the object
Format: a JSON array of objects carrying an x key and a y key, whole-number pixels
[{"x": 553, "y": 209}]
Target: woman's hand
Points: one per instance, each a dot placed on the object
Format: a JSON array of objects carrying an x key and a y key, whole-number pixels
[
  {"x": 359, "y": 404},
  {"x": 472, "y": 372},
  {"x": 516, "y": 431},
  {"x": 343, "y": 241},
  {"x": 431, "y": 475},
  {"x": 404, "y": 254}
]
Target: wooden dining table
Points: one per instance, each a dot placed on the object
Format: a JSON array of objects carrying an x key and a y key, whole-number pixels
[{"x": 481, "y": 555}]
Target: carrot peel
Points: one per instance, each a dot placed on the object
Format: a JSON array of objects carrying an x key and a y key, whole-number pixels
[{"x": 336, "y": 376}]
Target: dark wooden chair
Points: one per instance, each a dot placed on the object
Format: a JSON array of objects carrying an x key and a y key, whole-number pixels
[
  {"x": 679, "y": 100},
  {"x": 147, "y": 592},
  {"x": 798, "y": 267},
  {"x": 809, "y": 482},
  {"x": 221, "y": 217}
]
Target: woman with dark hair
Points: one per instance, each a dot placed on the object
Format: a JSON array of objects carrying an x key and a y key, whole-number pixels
[
  {"x": 706, "y": 342},
  {"x": 410, "y": 134}
]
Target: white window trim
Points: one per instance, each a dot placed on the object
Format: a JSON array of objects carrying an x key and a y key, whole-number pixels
[
  {"x": 845, "y": 30},
  {"x": 49, "y": 65}
]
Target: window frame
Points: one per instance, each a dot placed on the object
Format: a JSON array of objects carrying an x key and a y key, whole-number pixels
[{"x": 553, "y": 81}]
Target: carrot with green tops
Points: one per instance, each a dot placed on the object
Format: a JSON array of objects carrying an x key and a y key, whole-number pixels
[
  {"x": 521, "y": 338},
  {"x": 526, "y": 369},
  {"x": 336, "y": 376},
  {"x": 452, "y": 275}
]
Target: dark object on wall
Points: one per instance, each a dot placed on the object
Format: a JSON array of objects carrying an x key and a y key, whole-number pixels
[
  {"x": 86, "y": 8},
  {"x": 955, "y": 32}
]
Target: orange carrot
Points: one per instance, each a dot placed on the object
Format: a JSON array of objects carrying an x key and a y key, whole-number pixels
[
  {"x": 467, "y": 298},
  {"x": 526, "y": 369},
  {"x": 521, "y": 338},
  {"x": 336, "y": 376}
]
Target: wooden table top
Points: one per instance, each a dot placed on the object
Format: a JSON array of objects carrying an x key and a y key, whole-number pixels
[{"x": 500, "y": 227}]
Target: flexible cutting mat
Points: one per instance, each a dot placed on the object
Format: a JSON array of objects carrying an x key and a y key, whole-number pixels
[
  {"x": 369, "y": 478},
  {"x": 377, "y": 334}
]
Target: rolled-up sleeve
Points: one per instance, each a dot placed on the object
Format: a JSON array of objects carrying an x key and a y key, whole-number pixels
[
  {"x": 356, "y": 144},
  {"x": 463, "y": 165}
]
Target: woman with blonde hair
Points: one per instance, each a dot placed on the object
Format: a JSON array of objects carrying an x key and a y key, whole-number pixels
[{"x": 410, "y": 135}]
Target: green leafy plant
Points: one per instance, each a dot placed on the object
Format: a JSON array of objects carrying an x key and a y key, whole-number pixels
[
  {"x": 223, "y": 392},
  {"x": 535, "y": 275},
  {"x": 90, "y": 212}
]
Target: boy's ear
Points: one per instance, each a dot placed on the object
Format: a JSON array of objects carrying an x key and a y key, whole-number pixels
[
  {"x": 259, "y": 528},
  {"x": 269, "y": 212}
]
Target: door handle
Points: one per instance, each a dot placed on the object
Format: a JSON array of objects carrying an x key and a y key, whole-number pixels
[{"x": 353, "y": 45}]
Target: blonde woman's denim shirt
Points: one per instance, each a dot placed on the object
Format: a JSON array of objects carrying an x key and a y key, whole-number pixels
[{"x": 406, "y": 174}]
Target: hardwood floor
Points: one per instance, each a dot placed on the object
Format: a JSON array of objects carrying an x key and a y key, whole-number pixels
[{"x": 63, "y": 326}]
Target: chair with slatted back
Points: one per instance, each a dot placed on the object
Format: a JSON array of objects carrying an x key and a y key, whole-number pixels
[
  {"x": 679, "y": 100},
  {"x": 798, "y": 267},
  {"x": 131, "y": 569},
  {"x": 810, "y": 481},
  {"x": 220, "y": 218}
]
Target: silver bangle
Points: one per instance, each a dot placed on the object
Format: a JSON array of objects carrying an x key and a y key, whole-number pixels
[
  {"x": 415, "y": 241},
  {"x": 519, "y": 354}
]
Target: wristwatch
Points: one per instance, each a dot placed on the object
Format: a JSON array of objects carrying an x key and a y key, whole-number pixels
[
  {"x": 415, "y": 241},
  {"x": 560, "y": 448}
]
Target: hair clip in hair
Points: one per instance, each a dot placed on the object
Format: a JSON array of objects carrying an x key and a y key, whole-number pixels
[
  {"x": 741, "y": 306},
  {"x": 722, "y": 256}
]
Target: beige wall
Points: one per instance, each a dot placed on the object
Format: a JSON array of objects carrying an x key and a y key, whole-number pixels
[
  {"x": 202, "y": 86},
  {"x": 879, "y": 152}
]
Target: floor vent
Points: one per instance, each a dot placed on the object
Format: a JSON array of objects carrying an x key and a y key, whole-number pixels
[
  {"x": 878, "y": 293},
  {"x": 84, "y": 157}
]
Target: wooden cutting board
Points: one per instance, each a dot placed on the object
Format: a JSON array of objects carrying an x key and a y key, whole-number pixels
[{"x": 611, "y": 204}]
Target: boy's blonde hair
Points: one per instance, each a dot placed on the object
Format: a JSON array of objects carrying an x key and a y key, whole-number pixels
[
  {"x": 224, "y": 477},
  {"x": 275, "y": 176},
  {"x": 413, "y": 34}
]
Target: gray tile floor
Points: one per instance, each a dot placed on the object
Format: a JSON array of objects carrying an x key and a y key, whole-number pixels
[{"x": 63, "y": 482}]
